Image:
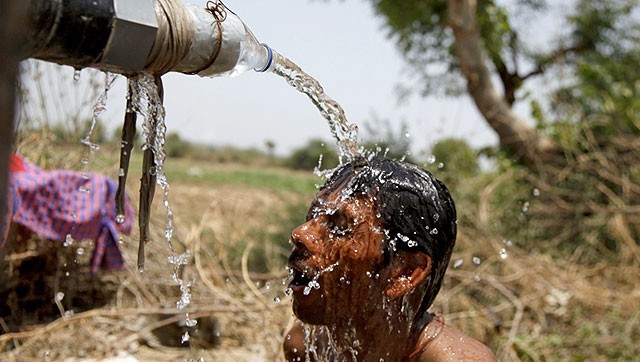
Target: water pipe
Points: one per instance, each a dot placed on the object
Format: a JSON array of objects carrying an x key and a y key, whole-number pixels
[{"x": 156, "y": 36}]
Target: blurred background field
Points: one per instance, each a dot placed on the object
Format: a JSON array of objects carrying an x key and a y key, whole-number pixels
[{"x": 530, "y": 299}]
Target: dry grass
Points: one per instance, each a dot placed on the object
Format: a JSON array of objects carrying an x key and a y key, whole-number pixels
[
  {"x": 210, "y": 223},
  {"x": 528, "y": 306}
]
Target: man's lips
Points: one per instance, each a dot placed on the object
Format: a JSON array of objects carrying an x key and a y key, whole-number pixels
[
  {"x": 298, "y": 281},
  {"x": 301, "y": 275}
]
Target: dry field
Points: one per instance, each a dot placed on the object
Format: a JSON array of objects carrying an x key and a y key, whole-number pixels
[{"x": 526, "y": 305}]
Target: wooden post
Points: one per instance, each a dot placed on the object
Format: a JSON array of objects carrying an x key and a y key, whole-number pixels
[{"x": 12, "y": 40}]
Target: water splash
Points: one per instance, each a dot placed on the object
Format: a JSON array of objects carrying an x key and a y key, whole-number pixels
[
  {"x": 343, "y": 131},
  {"x": 320, "y": 344},
  {"x": 313, "y": 283}
]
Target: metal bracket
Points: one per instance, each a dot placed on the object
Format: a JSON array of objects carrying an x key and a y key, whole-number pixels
[{"x": 134, "y": 31}]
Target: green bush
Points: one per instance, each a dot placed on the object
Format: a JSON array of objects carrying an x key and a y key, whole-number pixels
[{"x": 306, "y": 157}]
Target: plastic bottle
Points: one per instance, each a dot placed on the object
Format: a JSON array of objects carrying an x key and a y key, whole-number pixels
[{"x": 239, "y": 51}]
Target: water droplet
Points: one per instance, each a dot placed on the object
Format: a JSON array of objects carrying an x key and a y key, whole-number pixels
[
  {"x": 121, "y": 172},
  {"x": 508, "y": 243},
  {"x": 431, "y": 159},
  {"x": 182, "y": 259},
  {"x": 74, "y": 215},
  {"x": 536, "y": 192},
  {"x": 185, "y": 337},
  {"x": 140, "y": 269},
  {"x": 433, "y": 231},
  {"x": 59, "y": 296},
  {"x": 476, "y": 260},
  {"x": 407, "y": 134},
  {"x": 84, "y": 190},
  {"x": 84, "y": 161},
  {"x": 477, "y": 278},
  {"x": 80, "y": 251},
  {"x": 68, "y": 241},
  {"x": 69, "y": 314},
  {"x": 190, "y": 322},
  {"x": 525, "y": 207},
  {"x": 66, "y": 274},
  {"x": 503, "y": 254},
  {"x": 441, "y": 165},
  {"x": 276, "y": 300},
  {"x": 457, "y": 263},
  {"x": 76, "y": 74},
  {"x": 120, "y": 218}
]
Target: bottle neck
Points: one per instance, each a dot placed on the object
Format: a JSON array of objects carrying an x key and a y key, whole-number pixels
[{"x": 270, "y": 61}]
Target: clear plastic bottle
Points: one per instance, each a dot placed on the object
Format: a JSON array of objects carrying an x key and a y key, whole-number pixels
[{"x": 239, "y": 51}]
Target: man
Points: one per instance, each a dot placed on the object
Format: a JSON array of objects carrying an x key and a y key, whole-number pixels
[{"x": 367, "y": 265}]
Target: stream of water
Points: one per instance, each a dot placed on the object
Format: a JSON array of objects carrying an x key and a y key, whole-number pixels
[
  {"x": 148, "y": 103},
  {"x": 345, "y": 132}
]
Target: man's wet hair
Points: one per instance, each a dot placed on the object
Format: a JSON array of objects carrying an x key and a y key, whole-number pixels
[{"x": 416, "y": 210}]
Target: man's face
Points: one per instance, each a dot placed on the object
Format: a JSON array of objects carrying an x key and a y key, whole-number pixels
[{"x": 336, "y": 262}]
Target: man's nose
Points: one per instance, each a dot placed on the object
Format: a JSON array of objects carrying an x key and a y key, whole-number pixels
[{"x": 306, "y": 235}]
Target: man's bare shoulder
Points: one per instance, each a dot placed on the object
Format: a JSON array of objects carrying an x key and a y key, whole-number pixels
[{"x": 453, "y": 345}]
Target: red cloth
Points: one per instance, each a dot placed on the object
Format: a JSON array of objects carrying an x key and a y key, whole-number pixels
[{"x": 54, "y": 204}]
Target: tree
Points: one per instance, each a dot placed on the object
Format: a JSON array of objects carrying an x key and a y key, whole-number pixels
[
  {"x": 271, "y": 148},
  {"x": 456, "y": 157},
  {"x": 580, "y": 153},
  {"x": 176, "y": 146},
  {"x": 307, "y": 157},
  {"x": 470, "y": 43}
]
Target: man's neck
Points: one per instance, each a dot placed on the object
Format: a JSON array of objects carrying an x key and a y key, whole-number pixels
[{"x": 376, "y": 336}]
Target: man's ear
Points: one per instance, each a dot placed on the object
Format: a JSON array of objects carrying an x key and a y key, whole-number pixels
[{"x": 407, "y": 271}]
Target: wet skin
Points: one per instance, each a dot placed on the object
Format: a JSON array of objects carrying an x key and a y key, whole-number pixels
[{"x": 340, "y": 247}]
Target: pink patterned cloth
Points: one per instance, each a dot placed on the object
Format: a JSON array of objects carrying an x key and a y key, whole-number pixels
[{"x": 60, "y": 204}]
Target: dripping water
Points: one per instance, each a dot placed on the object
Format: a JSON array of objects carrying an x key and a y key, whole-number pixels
[
  {"x": 147, "y": 101},
  {"x": 98, "y": 108}
]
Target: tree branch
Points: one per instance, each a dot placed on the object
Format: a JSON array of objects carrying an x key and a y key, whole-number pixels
[
  {"x": 516, "y": 136},
  {"x": 559, "y": 54}
]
